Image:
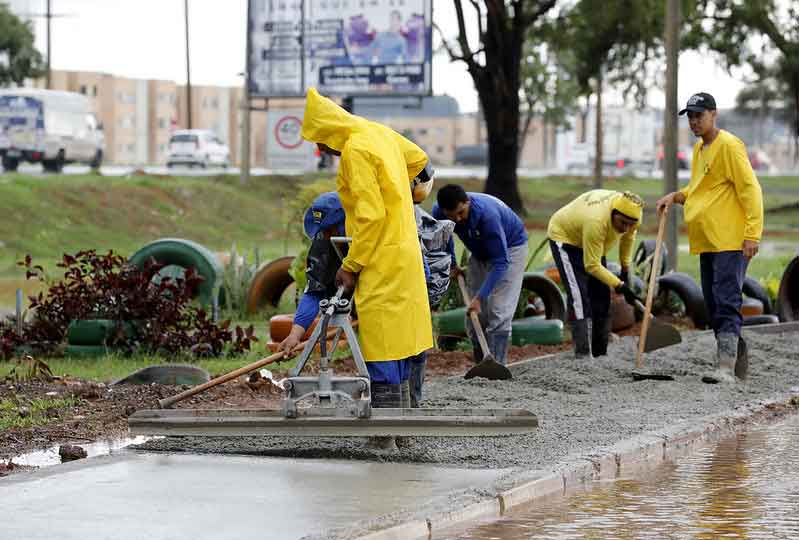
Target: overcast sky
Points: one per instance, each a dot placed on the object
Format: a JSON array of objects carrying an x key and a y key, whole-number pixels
[{"x": 145, "y": 39}]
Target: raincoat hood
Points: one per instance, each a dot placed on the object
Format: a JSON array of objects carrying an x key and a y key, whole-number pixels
[{"x": 327, "y": 123}]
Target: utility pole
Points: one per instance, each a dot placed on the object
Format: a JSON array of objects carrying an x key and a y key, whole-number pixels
[
  {"x": 188, "y": 65},
  {"x": 672, "y": 39},
  {"x": 244, "y": 166},
  {"x": 49, "y": 16}
]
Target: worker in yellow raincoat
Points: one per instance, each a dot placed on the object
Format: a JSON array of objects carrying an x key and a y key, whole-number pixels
[
  {"x": 384, "y": 263},
  {"x": 580, "y": 235}
]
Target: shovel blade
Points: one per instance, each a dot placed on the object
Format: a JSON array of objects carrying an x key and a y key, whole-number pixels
[
  {"x": 489, "y": 369},
  {"x": 661, "y": 335}
]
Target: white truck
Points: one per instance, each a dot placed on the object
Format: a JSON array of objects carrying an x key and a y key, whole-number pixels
[{"x": 48, "y": 127}]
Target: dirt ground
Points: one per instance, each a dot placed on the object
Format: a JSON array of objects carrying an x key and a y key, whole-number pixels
[{"x": 101, "y": 411}]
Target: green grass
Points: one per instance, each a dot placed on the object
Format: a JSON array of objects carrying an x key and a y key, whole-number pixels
[
  {"x": 48, "y": 216},
  {"x": 36, "y": 412}
]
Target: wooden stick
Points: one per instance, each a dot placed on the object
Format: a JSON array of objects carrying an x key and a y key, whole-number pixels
[
  {"x": 653, "y": 278},
  {"x": 478, "y": 330},
  {"x": 166, "y": 403}
]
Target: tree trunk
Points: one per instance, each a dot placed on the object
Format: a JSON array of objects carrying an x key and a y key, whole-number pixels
[
  {"x": 502, "y": 124},
  {"x": 670, "y": 125},
  {"x": 796, "y": 123},
  {"x": 599, "y": 142}
]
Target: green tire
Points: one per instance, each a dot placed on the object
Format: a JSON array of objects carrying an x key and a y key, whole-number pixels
[
  {"x": 451, "y": 322},
  {"x": 185, "y": 254},
  {"x": 85, "y": 351},
  {"x": 94, "y": 331},
  {"x": 537, "y": 331}
]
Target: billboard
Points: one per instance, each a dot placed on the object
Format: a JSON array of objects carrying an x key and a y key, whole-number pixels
[
  {"x": 342, "y": 47},
  {"x": 285, "y": 148}
]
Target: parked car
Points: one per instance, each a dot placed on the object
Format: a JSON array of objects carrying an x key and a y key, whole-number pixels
[
  {"x": 197, "y": 147},
  {"x": 48, "y": 127},
  {"x": 474, "y": 154}
]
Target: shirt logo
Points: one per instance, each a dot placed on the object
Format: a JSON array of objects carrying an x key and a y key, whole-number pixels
[{"x": 318, "y": 215}]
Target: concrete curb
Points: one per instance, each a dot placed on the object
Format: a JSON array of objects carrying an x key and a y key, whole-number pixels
[{"x": 627, "y": 457}]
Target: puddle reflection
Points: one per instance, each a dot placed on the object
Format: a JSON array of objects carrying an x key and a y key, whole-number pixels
[
  {"x": 746, "y": 487},
  {"x": 49, "y": 456}
]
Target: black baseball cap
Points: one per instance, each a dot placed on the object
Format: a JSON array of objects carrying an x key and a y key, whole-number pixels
[{"x": 698, "y": 103}]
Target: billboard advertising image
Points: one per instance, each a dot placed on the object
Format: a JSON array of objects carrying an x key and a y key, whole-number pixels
[{"x": 342, "y": 47}]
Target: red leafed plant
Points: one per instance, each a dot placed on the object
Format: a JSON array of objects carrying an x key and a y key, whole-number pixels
[{"x": 96, "y": 286}]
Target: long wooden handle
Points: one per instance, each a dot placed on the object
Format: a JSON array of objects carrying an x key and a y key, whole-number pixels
[
  {"x": 478, "y": 330},
  {"x": 653, "y": 278},
  {"x": 168, "y": 402}
]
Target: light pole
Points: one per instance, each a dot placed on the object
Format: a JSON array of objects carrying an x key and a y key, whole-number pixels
[{"x": 188, "y": 64}]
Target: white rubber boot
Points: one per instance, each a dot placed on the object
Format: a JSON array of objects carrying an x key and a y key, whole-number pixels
[{"x": 725, "y": 359}]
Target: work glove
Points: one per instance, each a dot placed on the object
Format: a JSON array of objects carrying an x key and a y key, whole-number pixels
[{"x": 629, "y": 294}]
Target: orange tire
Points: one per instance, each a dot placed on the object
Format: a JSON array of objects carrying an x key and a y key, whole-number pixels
[
  {"x": 269, "y": 284},
  {"x": 553, "y": 274},
  {"x": 751, "y": 306}
]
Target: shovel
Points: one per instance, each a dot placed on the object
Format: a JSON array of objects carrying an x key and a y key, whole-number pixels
[
  {"x": 654, "y": 335},
  {"x": 488, "y": 368}
]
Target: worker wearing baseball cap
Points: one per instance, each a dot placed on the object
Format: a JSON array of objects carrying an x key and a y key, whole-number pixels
[
  {"x": 580, "y": 235},
  {"x": 724, "y": 214}
]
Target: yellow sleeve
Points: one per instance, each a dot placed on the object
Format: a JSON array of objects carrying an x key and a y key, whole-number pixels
[
  {"x": 415, "y": 158},
  {"x": 748, "y": 189},
  {"x": 593, "y": 251},
  {"x": 365, "y": 222},
  {"x": 626, "y": 248}
]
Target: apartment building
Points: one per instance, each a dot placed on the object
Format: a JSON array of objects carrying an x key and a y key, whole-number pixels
[{"x": 138, "y": 117}]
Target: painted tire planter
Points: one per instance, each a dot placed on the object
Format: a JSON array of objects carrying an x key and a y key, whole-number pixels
[
  {"x": 185, "y": 254},
  {"x": 533, "y": 330},
  {"x": 760, "y": 319},
  {"x": 788, "y": 295},
  {"x": 751, "y": 307},
  {"x": 451, "y": 322},
  {"x": 549, "y": 293},
  {"x": 622, "y": 314},
  {"x": 753, "y": 289},
  {"x": 269, "y": 284},
  {"x": 689, "y": 293},
  {"x": 645, "y": 249},
  {"x": 94, "y": 331},
  {"x": 280, "y": 327}
]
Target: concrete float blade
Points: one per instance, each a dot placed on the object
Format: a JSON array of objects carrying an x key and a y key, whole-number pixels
[{"x": 383, "y": 422}]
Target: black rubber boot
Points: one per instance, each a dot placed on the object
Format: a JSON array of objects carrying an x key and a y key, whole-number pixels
[
  {"x": 600, "y": 334},
  {"x": 581, "y": 338},
  {"x": 385, "y": 396},
  {"x": 417, "y": 382},
  {"x": 405, "y": 388}
]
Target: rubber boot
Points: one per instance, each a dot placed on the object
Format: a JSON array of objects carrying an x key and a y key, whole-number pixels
[
  {"x": 725, "y": 360},
  {"x": 477, "y": 351},
  {"x": 498, "y": 344},
  {"x": 405, "y": 388},
  {"x": 600, "y": 333},
  {"x": 581, "y": 332},
  {"x": 385, "y": 396},
  {"x": 742, "y": 360},
  {"x": 417, "y": 382}
]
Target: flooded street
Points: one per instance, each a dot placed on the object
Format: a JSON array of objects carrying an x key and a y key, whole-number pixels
[{"x": 745, "y": 486}]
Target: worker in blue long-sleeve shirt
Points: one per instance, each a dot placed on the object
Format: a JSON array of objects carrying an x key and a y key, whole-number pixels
[{"x": 497, "y": 240}]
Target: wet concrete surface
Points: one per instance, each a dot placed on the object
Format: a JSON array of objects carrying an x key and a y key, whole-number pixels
[
  {"x": 135, "y": 495},
  {"x": 50, "y": 456},
  {"x": 743, "y": 486},
  {"x": 583, "y": 407}
]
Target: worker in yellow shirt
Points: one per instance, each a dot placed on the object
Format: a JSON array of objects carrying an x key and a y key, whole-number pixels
[
  {"x": 580, "y": 235},
  {"x": 724, "y": 214}
]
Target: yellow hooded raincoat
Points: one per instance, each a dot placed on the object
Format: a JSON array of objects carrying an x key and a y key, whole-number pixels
[{"x": 375, "y": 170}]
